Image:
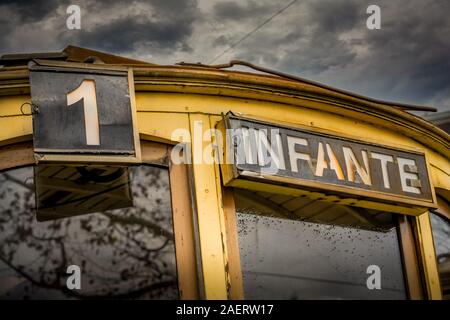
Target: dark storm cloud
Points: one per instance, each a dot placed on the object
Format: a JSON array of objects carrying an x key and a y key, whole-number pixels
[
  {"x": 407, "y": 60},
  {"x": 232, "y": 10},
  {"x": 311, "y": 45},
  {"x": 412, "y": 50},
  {"x": 21, "y": 12},
  {"x": 115, "y": 26},
  {"x": 30, "y": 10},
  {"x": 125, "y": 34},
  {"x": 332, "y": 16},
  {"x": 327, "y": 40},
  {"x": 324, "y": 49},
  {"x": 220, "y": 41},
  {"x": 167, "y": 26}
]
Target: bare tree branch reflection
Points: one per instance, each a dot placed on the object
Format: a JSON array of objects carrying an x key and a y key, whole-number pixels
[{"x": 123, "y": 253}]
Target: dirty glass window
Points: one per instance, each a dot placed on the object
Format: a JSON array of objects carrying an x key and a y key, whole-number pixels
[
  {"x": 441, "y": 236},
  {"x": 114, "y": 224},
  {"x": 298, "y": 248}
]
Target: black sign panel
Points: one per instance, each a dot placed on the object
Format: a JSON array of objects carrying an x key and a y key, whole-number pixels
[
  {"x": 84, "y": 111},
  {"x": 260, "y": 150}
]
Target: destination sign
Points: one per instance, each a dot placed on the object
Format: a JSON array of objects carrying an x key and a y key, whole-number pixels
[{"x": 265, "y": 151}]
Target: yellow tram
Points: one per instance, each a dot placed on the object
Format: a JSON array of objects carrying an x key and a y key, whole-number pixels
[{"x": 240, "y": 185}]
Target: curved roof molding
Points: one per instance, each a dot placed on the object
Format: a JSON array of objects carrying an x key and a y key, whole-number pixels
[
  {"x": 274, "y": 87},
  {"x": 190, "y": 79}
]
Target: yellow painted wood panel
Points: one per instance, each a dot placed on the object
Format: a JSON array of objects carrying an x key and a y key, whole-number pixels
[
  {"x": 13, "y": 127},
  {"x": 162, "y": 125},
  {"x": 428, "y": 256},
  {"x": 209, "y": 220},
  {"x": 276, "y": 112}
]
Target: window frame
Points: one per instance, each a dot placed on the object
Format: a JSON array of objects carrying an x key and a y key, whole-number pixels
[
  {"x": 412, "y": 268},
  {"x": 21, "y": 154},
  {"x": 443, "y": 212}
]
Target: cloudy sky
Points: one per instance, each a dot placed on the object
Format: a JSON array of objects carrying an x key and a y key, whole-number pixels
[{"x": 407, "y": 60}]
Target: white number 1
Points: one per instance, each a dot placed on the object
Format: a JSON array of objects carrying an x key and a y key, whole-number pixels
[{"x": 86, "y": 91}]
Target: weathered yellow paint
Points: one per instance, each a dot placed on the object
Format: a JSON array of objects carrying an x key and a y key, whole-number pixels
[
  {"x": 208, "y": 214},
  {"x": 428, "y": 256},
  {"x": 160, "y": 113},
  {"x": 220, "y": 202},
  {"x": 164, "y": 105},
  {"x": 161, "y": 126},
  {"x": 440, "y": 174},
  {"x": 12, "y": 128},
  {"x": 308, "y": 114},
  {"x": 289, "y": 115}
]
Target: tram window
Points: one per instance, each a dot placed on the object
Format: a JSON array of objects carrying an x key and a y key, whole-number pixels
[
  {"x": 441, "y": 236},
  {"x": 123, "y": 250},
  {"x": 297, "y": 248}
]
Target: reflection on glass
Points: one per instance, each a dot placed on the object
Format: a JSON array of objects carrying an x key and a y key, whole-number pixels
[
  {"x": 66, "y": 191},
  {"x": 441, "y": 235},
  {"x": 123, "y": 253},
  {"x": 294, "y": 248}
]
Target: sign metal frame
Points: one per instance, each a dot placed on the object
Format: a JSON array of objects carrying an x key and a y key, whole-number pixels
[
  {"x": 233, "y": 176},
  {"x": 75, "y": 155}
]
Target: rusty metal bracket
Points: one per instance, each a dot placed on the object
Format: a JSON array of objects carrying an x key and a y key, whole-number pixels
[
  {"x": 34, "y": 108},
  {"x": 232, "y": 63}
]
